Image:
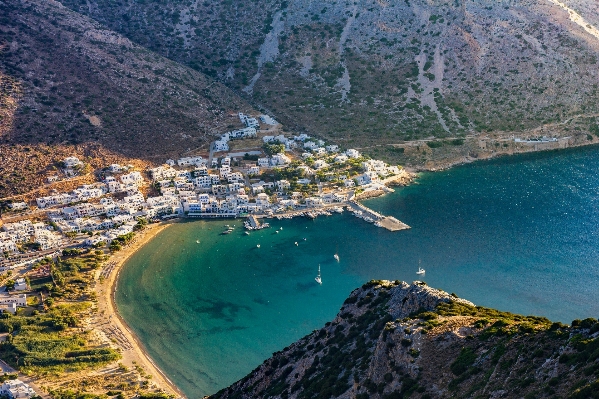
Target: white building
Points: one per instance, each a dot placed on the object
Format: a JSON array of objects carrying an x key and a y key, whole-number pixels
[
  {"x": 319, "y": 151},
  {"x": 17, "y": 389},
  {"x": 163, "y": 173},
  {"x": 221, "y": 145},
  {"x": 280, "y": 159},
  {"x": 302, "y": 137},
  {"x": 133, "y": 178},
  {"x": 248, "y": 121},
  {"x": 115, "y": 168},
  {"x": 20, "y": 284},
  {"x": 17, "y": 299},
  {"x": 283, "y": 184},
  {"x": 341, "y": 158},
  {"x": 71, "y": 162},
  {"x": 352, "y": 153},
  {"x": 320, "y": 164},
  {"x": 332, "y": 148},
  {"x": 18, "y": 206},
  {"x": 197, "y": 161},
  {"x": 245, "y": 133}
]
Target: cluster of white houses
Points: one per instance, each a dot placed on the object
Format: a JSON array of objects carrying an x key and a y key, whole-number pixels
[
  {"x": 16, "y": 389},
  {"x": 191, "y": 189},
  {"x": 25, "y": 231}
]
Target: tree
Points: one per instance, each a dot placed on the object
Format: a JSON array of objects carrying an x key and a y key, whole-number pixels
[{"x": 272, "y": 149}]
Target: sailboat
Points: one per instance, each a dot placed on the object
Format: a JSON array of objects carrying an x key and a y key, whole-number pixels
[
  {"x": 420, "y": 269},
  {"x": 336, "y": 256},
  {"x": 317, "y": 278}
]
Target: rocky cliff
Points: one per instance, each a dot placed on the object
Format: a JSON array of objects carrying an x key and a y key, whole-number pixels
[{"x": 395, "y": 340}]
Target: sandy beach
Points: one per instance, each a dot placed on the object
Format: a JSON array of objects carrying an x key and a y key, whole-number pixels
[{"x": 109, "y": 323}]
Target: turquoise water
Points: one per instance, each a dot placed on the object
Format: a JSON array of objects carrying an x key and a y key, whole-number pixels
[{"x": 517, "y": 233}]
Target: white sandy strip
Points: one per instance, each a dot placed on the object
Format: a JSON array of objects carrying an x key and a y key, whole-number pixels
[{"x": 578, "y": 19}]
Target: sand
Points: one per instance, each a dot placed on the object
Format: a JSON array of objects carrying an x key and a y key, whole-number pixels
[{"x": 109, "y": 323}]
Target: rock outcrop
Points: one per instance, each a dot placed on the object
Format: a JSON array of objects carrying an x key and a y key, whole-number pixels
[{"x": 397, "y": 340}]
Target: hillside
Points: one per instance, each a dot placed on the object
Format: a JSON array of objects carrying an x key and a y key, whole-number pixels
[
  {"x": 395, "y": 340},
  {"x": 375, "y": 71},
  {"x": 67, "y": 80}
]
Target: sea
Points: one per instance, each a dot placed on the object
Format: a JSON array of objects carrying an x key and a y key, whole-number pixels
[{"x": 517, "y": 233}]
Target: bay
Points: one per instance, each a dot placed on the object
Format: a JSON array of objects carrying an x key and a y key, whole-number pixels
[{"x": 516, "y": 233}]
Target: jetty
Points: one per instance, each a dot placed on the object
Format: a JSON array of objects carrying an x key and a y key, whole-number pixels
[
  {"x": 252, "y": 223},
  {"x": 387, "y": 222}
]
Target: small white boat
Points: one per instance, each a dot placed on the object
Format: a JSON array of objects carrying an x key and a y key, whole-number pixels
[
  {"x": 197, "y": 241},
  {"x": 296, "y": 244},
  {"x": 420, "y": 269},
  {"x": 277, "y": 231},
  {"x": 258, "y": 246},
  {"x": 336, "y": 257},
  {"x": 247, "y": 233},
  {"x": 281, "y": 228},
  {"x": 317, "y": 278}
]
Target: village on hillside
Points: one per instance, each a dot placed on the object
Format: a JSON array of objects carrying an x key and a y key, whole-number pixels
[{"x": 281, "y": 177}]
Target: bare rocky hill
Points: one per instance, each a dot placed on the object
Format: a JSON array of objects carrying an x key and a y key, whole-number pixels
[
  {"x": 378, "y": 71},
  {"x": 394, "y": 340},
  {"x": 65, "y": 79}
]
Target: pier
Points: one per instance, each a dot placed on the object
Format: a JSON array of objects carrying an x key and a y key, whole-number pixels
[
  {"x": 252, "y": 223},
  {"x": 387, "y": 222}
]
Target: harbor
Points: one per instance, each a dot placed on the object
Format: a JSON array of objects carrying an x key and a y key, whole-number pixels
[{"x": 357, "y": 209}]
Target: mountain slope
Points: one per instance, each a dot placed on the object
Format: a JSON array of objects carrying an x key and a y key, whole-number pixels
[
  {"x": 394, "y": 340},
  {"x": 375, "y": 71},
  {"x": 66, "y": 79}
]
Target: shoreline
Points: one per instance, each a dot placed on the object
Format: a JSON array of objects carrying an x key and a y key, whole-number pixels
[
  {"x": 454, "y": 158},
  {"x": 132, "y": 350},
  {"x": 135, "y": 351}
]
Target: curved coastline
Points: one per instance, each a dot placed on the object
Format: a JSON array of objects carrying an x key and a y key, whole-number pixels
[{"x": 135, "y": 354}]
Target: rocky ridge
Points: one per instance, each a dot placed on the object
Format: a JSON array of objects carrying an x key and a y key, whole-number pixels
[
  {"x": 397, "y": 340},
  {"x": 66, "y": 79},
  {"x": 378, "y": 72}
]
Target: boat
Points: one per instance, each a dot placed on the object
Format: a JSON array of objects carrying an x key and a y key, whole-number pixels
[
  {"x": 281, "y": 228},
  {"x": 247, "y": 233},
  {"x": 336, "y": 257},
  {"x": 296, "y": 244},
  {"x": 197, "y": 241},
  {"x": 258, "y": 246},
  {"x": 317, "y": 278},
  {"x": 420, "y": 269}
]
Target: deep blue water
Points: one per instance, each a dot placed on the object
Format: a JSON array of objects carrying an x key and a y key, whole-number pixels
[{"x": 517, "y": 233}]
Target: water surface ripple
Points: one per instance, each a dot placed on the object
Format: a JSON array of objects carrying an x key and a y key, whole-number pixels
[{"x": 517, "y": 233}]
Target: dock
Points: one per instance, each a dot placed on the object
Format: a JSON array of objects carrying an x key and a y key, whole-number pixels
[
  {"x": 387, "y": 222},
  {"x": 252, "y": 223}
]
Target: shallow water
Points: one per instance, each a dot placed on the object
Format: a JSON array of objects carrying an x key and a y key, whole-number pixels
[{"x": 517, "y": 233}]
